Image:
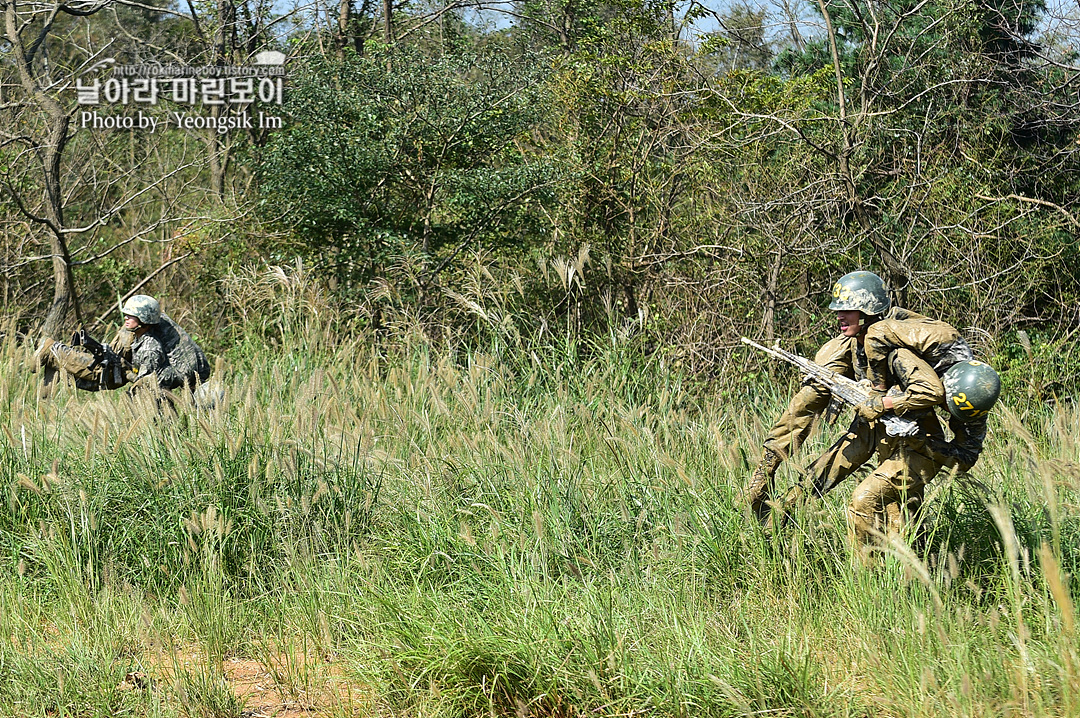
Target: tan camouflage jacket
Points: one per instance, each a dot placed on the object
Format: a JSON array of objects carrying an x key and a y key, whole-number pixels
[{"x": 936, "y": 342}]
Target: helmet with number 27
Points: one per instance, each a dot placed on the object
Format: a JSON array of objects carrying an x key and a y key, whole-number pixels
[{"x": 971, "y": 389}]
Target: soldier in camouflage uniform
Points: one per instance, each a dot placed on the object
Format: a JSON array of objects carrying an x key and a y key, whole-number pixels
[
  {"x": 150, "y": 344},
  {"x": 894, "y": 490},
  {"x": 860, "y": 300},
  {"x": 971, "y": 390},
  {"x": 161, "y": 348}
]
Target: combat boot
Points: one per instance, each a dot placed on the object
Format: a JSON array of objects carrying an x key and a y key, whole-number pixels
[
  {"x": 43, "y": 356},
  {"x": 74, "y": 360},
  {"x": 761, "y": 484}
]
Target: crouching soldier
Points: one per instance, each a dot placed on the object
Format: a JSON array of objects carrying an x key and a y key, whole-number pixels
[
  {"x": 151, "y": 350},
  {"x": 860, "y": 300}
]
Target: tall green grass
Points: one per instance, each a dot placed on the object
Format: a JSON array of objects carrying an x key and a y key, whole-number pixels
[{"x": 455, "y": 534}]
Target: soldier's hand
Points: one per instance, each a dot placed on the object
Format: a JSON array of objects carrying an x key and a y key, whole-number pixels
[{"x": 873, "y": 408}]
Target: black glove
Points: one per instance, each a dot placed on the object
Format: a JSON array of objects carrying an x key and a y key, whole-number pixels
[{"x": 950, "y": 454}]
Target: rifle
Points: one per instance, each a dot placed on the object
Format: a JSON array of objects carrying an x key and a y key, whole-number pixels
[
  {"x": 847, "y": 390},
  {"x": 114, "y": 366},
  {"x": 81, "y": 339}
]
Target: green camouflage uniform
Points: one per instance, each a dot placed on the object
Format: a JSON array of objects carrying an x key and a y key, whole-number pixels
[{"x": 164, "y": 351}]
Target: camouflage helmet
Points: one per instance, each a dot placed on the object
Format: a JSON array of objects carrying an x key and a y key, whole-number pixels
[
  {"x": 144, "y": 308},
  {"x": 860, "y": 291},
  {"x": 971, "y": 389}
]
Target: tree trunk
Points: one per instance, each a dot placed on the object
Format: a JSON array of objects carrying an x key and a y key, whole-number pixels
[
  {"x": 344, "y": 15},
  {"x": 566, "y": 27},
  {"x": 803, "y": 313},
  {"x": 224, "y": 44},
  {"x": 65, "y": 297},
  {"x": 64, "y": 293}
]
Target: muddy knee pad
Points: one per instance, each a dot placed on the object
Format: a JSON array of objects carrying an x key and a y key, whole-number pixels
[{"x": 862, "y": 526}]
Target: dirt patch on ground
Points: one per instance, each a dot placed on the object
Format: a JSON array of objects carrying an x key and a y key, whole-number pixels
[
  {"x": 318, "y": 688},
  {"x": 276, "y": 685}
]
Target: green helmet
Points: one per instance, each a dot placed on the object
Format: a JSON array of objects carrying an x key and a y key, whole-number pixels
[
  {"x": 971, "y": 389},
  {"x": 144, "y": 308},
  {"x": 860, "y": 291}
]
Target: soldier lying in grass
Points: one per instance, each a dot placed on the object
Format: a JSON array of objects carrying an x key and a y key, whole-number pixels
[{"x": 149, "y": 350}]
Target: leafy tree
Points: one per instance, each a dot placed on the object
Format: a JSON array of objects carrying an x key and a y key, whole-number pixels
[
  {"x": 928, "y": 135},
  {"x": 399, "y": 155}
]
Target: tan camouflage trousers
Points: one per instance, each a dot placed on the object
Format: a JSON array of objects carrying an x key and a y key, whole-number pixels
[{"x": 887, "y": 500}]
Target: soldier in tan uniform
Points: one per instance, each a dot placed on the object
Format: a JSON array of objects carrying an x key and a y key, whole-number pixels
[
  {"x": 972, "y": 387},
  {"x": 886, "y": 499},
  {"x": 860, "y": 299},
  {"x": 903, "y": 345},
  {"x": 895, "y": 488},
  {"x": 971, "y": 390}
]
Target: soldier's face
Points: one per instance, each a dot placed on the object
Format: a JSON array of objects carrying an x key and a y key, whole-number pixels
[
  {"x": 131, "y": 323},
  {"x": 848, "y": 322}
]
